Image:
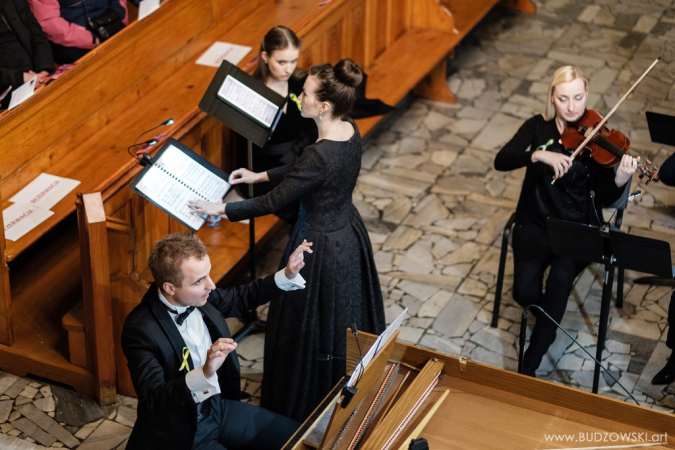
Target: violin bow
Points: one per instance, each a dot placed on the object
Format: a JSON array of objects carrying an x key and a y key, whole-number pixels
[{"x": 602, "y": 123}]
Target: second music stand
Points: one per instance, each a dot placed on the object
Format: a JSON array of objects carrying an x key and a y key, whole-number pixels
[{"x": 614, "y": 249}]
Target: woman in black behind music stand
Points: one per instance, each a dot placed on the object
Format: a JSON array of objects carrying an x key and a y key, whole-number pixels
[{"x": 342, "y": 281}]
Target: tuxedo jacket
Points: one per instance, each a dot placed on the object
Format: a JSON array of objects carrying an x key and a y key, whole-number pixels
[{"x": 153, "y": 347}]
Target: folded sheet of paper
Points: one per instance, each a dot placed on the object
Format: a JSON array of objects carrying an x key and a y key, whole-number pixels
[
  {"x": 20, "y": 218},
  {"x": 220, "y": 51},
  {"x": 147, "y": 7},
  {"x": 22, "y": 93},
  {"x": 45, "y": 191}
]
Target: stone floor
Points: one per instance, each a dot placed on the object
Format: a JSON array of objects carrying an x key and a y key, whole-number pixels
[{"x": 435, "y": 208}]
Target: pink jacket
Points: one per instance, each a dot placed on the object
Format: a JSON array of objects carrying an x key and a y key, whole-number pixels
[{"x": 59, "y": 30}]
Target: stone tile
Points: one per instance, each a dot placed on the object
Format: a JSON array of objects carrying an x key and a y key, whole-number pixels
[
  {"x": 395, "y": 185},
  {"x": 468, "y": 252},
  {"x": 251, "y": 348},
  {"x": 5, "y": 409},
  {"x": 75, "y": 409},
  {"x": 495, "y": 359},
  {"x": 17, "y": 387},
  {"x": 84, "y": 432},
  {"x": 6, "y": 381},
  {"x": 636, "y": 327},
  {"x": 8, "y": 442},
  {"x": 127, "y": 416},
  {"x": 402, "y": 238},
  {"x": 433, "y": 305},
  {"x": 473, "y": 287},
  {"x": 108, "y": 435},
  {"x": 427, "y": 211},
  {"x": 48, "y": 424},
  {"x": 30, "y": 429},
  {"x": 45, "y": 404},
  {"x": 456, "y": 316},
  {"x": 439, "y": 344},
  {"x": 432, "y": 280},
  {"x": 418, "y": 259},
  {"x": 421, "y": 291}
]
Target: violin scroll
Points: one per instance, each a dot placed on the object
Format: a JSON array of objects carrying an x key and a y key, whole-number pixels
[{"x": 649, "y": 171}]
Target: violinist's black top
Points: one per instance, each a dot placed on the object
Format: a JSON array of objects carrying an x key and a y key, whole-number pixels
[{"x": 569, "y": 198}]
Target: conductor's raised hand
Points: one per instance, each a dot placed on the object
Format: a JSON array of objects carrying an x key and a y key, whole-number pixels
[
  {"x": 297, "y": 259},
  {"x": 240, "y": 176},
  {"x": 559, "y": 162},
  {"x": 216, "y": 354},
  {"x": 204, "y": 207}
]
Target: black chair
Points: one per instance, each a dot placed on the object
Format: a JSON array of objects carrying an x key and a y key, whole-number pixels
[{"x": 620, "y": 205}]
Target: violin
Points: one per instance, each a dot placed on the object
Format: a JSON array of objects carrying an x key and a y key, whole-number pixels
[{"x": 607, "y": 146}]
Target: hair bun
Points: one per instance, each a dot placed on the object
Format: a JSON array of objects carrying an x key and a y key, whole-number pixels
[{"x": 348, "y": 72}]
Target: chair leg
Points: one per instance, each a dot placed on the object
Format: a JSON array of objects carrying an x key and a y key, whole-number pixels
[
  {"x": 500, "y": 279},
  {"x": 619, "y": 288}
]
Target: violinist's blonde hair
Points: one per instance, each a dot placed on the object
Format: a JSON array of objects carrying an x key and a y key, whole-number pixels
[{"x": 564, "y": 74}]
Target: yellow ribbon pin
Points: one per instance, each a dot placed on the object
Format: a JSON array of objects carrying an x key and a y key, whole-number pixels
[
  {"x": 294, "y": 98},
  {"x": 185, "y": 365}
]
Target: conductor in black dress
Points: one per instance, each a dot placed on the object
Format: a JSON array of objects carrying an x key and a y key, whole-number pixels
[
  {"x": 343, "y": 284},
  {"x": 182, "y": 359}
]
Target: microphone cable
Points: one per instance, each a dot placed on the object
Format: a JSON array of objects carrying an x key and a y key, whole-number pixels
[
  {"x": 523, "y": 324},
  {"x": 150, "y": 142}
]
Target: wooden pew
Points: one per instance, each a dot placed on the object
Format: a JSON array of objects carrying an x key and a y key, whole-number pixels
[{"x": 131, "y": 84}]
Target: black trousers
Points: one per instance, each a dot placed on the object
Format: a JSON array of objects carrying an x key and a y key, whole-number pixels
[
  {"x": 236, "y": 425},
  {"x": 67, "y": 55},
  {"x": 532, "y": 254}
]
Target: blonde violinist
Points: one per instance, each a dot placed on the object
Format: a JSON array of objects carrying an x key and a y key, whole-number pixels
[{"x": 537, "y": 146}]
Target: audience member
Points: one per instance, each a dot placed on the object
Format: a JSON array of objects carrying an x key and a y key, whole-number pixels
[
  {"x": 70, "y": 24},
  {"x": 24, "y": 49}
]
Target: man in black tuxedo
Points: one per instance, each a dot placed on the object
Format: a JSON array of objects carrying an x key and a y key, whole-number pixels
[{"x": 182, "y": 359}]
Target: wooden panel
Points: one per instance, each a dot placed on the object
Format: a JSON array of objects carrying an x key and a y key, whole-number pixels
[
  {"x": 334, "y": 42},
  {"x": 5, "y": 293},
  {"x": 311, "y": 54},
  {"x": 357, "y": 35},
  {"x": 401, "y": 18},
  {"x": 379, "y": 27}
]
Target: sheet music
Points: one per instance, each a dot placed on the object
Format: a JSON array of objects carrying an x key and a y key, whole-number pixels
[
  {"x": 377, "y": 345},
  {"x": 247, "y": 100},
  {"x": 175, "y": 178}
]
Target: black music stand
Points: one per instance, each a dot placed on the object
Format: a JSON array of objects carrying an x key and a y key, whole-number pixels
[
  {"x": 229, "y": 99},
  {"x": 614, "y": 249},
  {"x": 661, "y": 132}
]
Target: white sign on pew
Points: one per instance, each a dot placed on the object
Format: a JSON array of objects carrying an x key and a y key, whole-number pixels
[
  {"x": 221, "y": 51},
  {"x": 147, "y": 7},
  {"x": 20, "y": 218},
  {"x": 22, "y": 93},
  {"x": 45, "y": 191}
]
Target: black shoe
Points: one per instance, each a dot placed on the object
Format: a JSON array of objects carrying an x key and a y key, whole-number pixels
[{"x": 667, "y": 374}]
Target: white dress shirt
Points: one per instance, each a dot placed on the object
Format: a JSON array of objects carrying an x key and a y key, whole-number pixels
[{"x": 198, "y": 341}]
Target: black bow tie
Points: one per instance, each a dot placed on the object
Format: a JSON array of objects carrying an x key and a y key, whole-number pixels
[{"x": 180, "y": 318}]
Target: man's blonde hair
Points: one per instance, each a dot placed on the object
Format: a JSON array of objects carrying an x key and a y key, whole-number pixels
[{"x": 168, "y": 255}]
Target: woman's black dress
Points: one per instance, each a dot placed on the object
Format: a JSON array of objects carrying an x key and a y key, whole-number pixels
[{"x": 342, "y": 282}]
